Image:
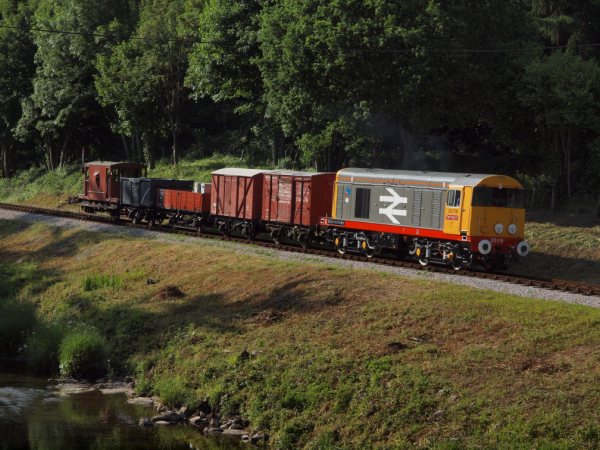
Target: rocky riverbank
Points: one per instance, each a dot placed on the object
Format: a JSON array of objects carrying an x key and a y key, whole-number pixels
[{"x": 202, "y": 417}]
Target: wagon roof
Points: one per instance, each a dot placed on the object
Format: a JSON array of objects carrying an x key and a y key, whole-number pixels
[
  {"x": 418, "y": 177},
  {"x": 233, "y": 171},
  {"x": 114, "y": 164}
]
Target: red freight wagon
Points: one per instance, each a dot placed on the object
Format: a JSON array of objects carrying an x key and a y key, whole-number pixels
[
  {"x": 237, "y": 193},
  {"x": 186, "y": 202},
  {"x": 296, "y": 198}
]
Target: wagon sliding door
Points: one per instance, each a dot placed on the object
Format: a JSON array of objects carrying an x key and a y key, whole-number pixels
[{"x": 302, "y": 200}]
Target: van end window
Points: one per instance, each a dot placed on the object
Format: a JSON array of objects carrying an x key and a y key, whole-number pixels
[
  {"x": 498, "y": 198},
  {"x": 453, "y": 198}
]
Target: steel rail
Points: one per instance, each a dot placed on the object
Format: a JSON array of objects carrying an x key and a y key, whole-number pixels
[{"x": 539, "y": 282}]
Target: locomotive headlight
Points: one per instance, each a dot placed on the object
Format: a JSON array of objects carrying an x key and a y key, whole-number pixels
[
  {"x": 512, "y": 228},
  {"x": 498, "y": 228}
]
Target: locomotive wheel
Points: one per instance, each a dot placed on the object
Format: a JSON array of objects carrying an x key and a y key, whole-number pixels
[
  {"x": 456, "y": 264},
  {"x": 369, "y": 252},
  {"x": 341, "y": 250},
  {"x": 424, "y": 261}
]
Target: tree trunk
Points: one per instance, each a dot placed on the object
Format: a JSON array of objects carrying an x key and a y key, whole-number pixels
[
  {"x": 598, "y": 207},
  {"x": 566, "y": 147},
  {"x": 553, "y": 198},
  {"x": 125, "y": 147},
  {"x": 175, "y": 145},
  {"x": 63, "y": 150},
  {"x": 147, "y": 151},
  {"x": 49, "y": 154},
  {"x": 5, "y": 158}
]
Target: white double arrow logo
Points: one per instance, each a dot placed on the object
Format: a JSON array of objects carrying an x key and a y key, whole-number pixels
[{"x": 393, "y": 200}]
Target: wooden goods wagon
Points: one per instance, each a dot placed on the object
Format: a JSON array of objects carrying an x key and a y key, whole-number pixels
[
  {"x": 237, "y": 193},
  {"x": 296, "y": 198},
  {"x": 185, "y": 202}
]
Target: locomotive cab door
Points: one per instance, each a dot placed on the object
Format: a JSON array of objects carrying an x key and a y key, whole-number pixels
[{"x": 453, "y": 210}]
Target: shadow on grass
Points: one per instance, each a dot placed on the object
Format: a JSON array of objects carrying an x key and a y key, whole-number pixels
[
  {"x": 559, "y": 267},
  {"x": 563, "y": 219},
  {"x": 134, "y": 329}
]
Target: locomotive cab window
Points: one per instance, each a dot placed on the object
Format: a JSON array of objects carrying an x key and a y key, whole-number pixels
[
  {"x": 498, "y": 198},
  {"x": 453, "y": 198},
  {"x": 363, "y": 203}
]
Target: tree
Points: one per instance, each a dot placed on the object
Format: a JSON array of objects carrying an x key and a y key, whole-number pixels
[
  {"x": 224, "y": 69},
  {"x": 16, "y": 71},
  {"x": 62, "y": 108},
  {"x": 143, "y": 77},
  {"x": 563, "y": 92},
  {"x": 368, "y": 81}
]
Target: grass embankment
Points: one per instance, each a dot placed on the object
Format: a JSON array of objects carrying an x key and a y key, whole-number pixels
[{"x": 320, "y": 356}]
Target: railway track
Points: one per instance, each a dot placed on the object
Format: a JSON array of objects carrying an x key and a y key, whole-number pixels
[{"x": 545, "y": 283}]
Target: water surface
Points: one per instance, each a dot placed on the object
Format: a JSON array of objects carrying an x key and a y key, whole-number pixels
[{"x": 33, "y": 416}]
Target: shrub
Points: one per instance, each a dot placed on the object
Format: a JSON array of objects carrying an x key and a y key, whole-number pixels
[
  {"x": 43, "y": 348},
  {"x": 83, "y": 355},
  {"x": 17, "y": 321},
  {"x": 172, "y": 391}
]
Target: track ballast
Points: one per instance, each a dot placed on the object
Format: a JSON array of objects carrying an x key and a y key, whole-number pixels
[{"x": 545, "y": 283}]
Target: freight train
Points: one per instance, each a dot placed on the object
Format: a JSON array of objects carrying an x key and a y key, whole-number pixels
[{"x": 459, "y": 220}]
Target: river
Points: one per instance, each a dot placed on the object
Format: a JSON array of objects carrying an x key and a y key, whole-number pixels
[{"x": 33, "y": 416}]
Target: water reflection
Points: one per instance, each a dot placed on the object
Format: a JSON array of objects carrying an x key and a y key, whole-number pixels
[{"x": 35, "y": 418}]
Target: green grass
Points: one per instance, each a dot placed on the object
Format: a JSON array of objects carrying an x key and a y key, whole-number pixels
[
  {"x": 321, "y": 356},
  {"x": 197, "y": 170},
  {"x": 99, "y": 281},
  {"x": 37, "y": 183}
]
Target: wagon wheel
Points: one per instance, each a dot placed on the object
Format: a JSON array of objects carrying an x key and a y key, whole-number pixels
[
  {"x": 223, "y": 230},
  {"x": 305, "y": 242},
  {"x": 247, "y": 233},
  {"x": 276, "y": 237}
]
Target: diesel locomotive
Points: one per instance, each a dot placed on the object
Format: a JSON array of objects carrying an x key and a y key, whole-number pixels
[{"x": 460, "y": 220}]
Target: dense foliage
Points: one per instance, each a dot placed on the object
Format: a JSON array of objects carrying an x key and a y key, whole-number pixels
[{"x": 496, "y": 85}]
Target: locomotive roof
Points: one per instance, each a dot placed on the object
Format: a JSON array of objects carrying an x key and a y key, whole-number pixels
[
  {"x": 421, "y": 177},
  {"x": 296, "y": 173}
]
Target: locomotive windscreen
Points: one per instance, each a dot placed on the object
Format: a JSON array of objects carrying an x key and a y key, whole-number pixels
[{"x": 498, "y": 198}]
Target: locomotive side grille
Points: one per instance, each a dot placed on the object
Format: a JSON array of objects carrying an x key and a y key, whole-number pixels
[
  {"x": 416, "y": 214},
  {"x": 437, "y": 210},
  {"x": 340, "y": 202}
]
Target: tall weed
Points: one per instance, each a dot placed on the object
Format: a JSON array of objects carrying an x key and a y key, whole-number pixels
[{"x": 83, "y": 354}]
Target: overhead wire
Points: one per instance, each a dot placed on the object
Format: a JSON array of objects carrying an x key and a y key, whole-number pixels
[{"x": 363, "y": 50}]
